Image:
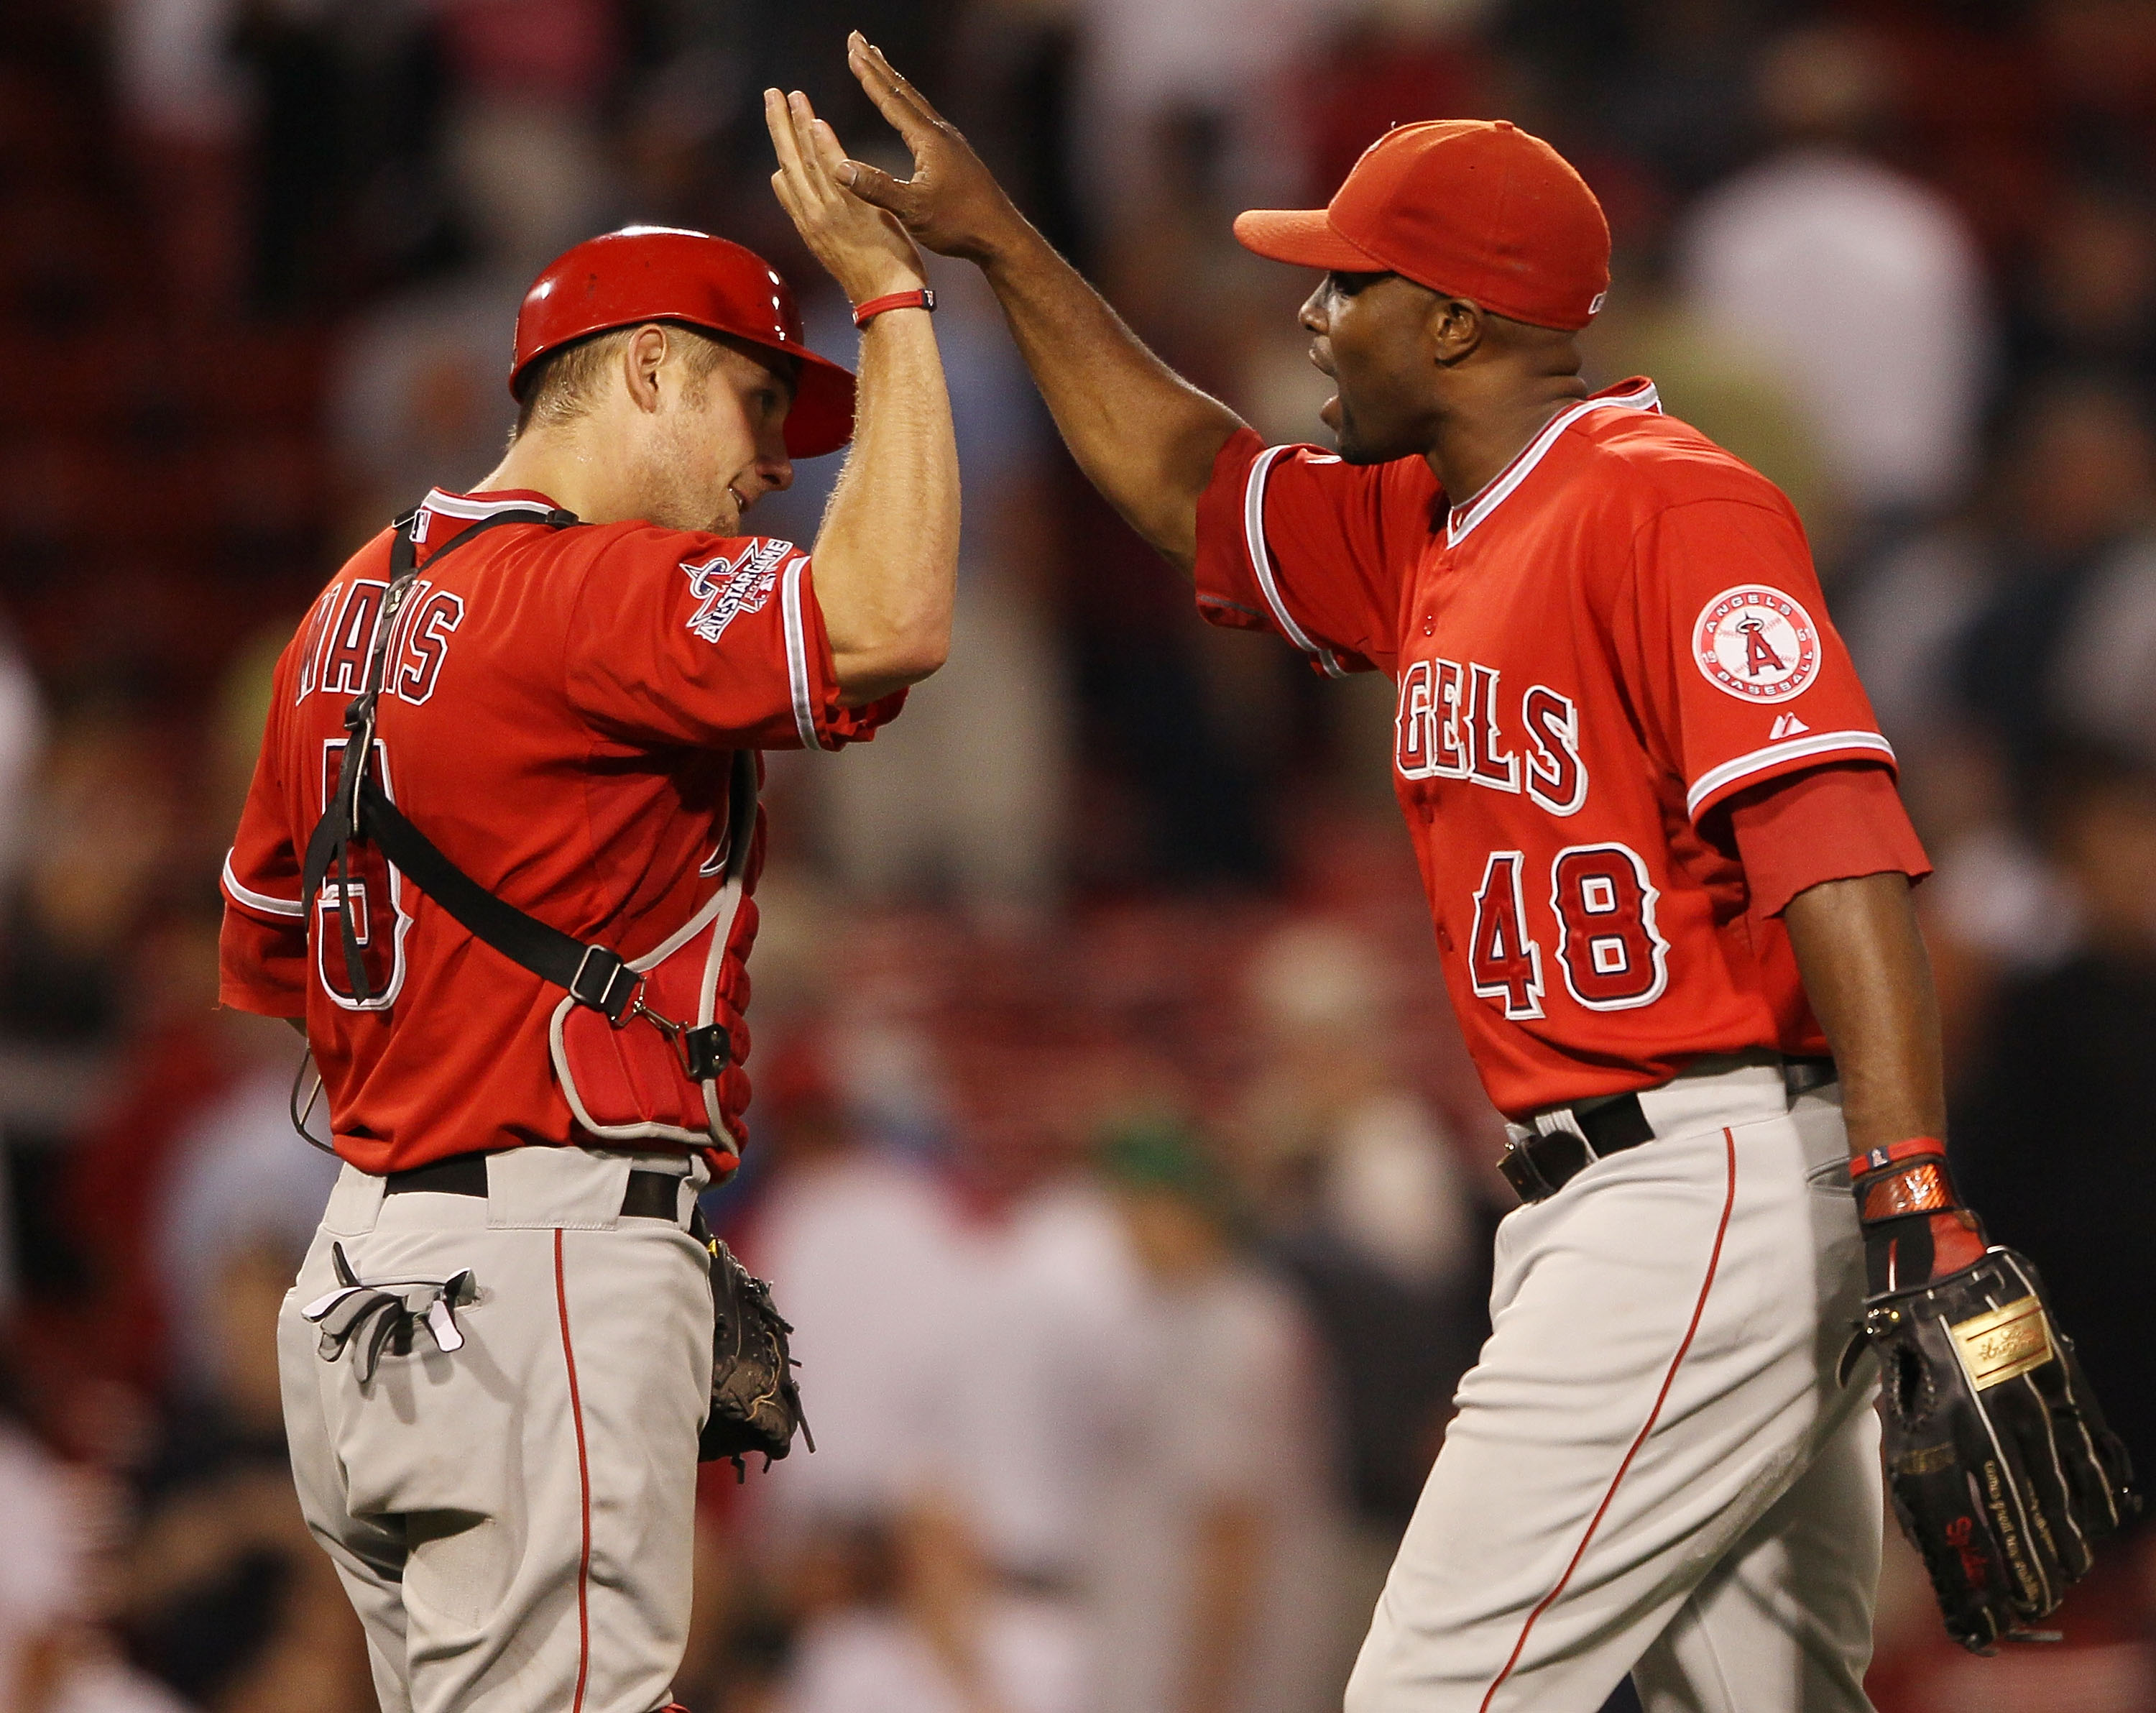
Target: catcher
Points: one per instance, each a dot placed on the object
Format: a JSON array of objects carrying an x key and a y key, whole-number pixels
[{"x": 497, "y": 862}]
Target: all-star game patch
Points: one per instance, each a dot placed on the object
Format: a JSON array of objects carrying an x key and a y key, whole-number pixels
[
  {"x": 727, "y": 587},
  {"x": 1757, "y": 644}
]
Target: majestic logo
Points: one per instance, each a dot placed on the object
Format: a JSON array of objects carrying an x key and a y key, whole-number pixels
[
  {"x": 1757, "y": 644},
  {"x": 725, "y": 588}
]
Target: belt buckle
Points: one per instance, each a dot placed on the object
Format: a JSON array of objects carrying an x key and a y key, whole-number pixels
[
  {"x": 1521, "y": 1173},
  {"x": 1553, "y": 1131},
  {"x": 1801, "y": 1076}
]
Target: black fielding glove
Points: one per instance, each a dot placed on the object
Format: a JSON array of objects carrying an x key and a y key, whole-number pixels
[
  {"x": 2002, "y": 1473},
  {"x": 755, "y": 1406}
]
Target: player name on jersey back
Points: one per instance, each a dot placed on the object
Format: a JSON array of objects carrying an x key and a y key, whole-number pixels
[{"x": 340, "y": 635}]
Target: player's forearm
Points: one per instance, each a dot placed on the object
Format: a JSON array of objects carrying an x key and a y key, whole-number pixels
[
  {"x": 1868, "y": 980},
  {"x": 887, "y": 554},
  {"x": 1144, "y": 437}
]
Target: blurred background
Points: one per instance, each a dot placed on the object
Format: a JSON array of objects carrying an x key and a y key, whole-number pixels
[{"x": 1102, "y": 1056}]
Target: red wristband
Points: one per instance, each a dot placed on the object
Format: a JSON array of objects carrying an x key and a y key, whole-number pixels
[
  {"x": 1903, "y": 1179},
  {"x": 1915, "y": 1229},
  {"x": 1897, "y": 1153},
  {"x": 922, "y": 298}
]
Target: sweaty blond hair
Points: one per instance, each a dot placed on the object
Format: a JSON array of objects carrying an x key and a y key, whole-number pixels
[{"x": 564, "y": 384}]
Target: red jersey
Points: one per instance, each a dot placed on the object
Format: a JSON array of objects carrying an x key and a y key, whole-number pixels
[
  {"x": 1621, "y": 629},
  {"x": 559, "y": 714}
]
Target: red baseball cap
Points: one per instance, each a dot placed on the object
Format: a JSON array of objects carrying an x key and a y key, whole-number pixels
[
  {"x": 1472, "y": 208},
  {"x": 664, "y": 274}
]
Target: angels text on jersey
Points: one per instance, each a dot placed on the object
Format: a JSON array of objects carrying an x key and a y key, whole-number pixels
[{"x": 1450, "y": 724}]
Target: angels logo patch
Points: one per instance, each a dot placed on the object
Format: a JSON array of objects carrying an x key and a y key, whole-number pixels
[
  {"x": 725, "y": 588},
  {"x": 1757, "y": 644}
]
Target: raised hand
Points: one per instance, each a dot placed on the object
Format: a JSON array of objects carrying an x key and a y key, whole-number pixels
[
  {"x": 1143, "y": 435},
  {"x": 864, "y": 248},
  {"x": 952, "y": 203}
]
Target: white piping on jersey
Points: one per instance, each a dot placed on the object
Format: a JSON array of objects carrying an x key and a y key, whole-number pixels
[
  {"x": 1793, "y": 749},
  {"x": 1261, "y": 560},
  {"x": 1463, "y": 518},
  {"x": 455, "y": 506},
  {"x": 259, "y": 901},
  {"x": 796, "y": 654}
]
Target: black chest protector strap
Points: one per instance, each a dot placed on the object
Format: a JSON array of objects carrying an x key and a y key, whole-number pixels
[{"x": 360, "y": 809}]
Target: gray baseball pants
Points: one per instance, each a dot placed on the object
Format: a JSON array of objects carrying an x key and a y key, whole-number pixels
[
  {"x": 1655, "y": 1465},
  {"x": 513, "y": 1520}
]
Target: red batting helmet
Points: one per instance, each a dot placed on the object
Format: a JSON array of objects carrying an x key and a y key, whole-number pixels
[{"x": 662, "y": 274}]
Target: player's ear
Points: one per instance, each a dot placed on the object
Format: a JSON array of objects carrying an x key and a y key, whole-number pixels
[
  {"x": 643, "y": 355},
  {"x": 1455, "y": 328}
]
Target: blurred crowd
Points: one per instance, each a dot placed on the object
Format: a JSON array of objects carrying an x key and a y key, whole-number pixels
[{"x": 1114, "y": 1150}]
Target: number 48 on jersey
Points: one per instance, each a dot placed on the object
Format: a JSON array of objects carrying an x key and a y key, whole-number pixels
[{"x": 1608, "y": 950}]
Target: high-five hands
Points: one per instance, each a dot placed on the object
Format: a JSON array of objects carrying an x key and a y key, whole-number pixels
[
  {"x": 862, "y": 248},
  {"x": 952, "y": 203},
  {"x": 1144, "y": 437}
]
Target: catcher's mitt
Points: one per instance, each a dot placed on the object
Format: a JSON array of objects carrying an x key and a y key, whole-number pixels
[
  {"x": 755, "y": 1407},
  {"x": 2002, "y": 1473}
]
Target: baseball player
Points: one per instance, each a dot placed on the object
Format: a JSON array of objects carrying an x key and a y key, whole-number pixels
[
  {"x": 1670, "y": 877},
  {"x": 499, "y": 1353}
]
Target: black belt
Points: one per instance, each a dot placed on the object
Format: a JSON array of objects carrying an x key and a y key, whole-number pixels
[
  {"x": 1541, "y": 1165},
  {"x": 650, "y": 1196}
]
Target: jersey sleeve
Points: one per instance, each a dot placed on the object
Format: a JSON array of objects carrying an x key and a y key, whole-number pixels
[
  {"x": 1841, "y": 821},
  {"x": 1293, "y": 540},
  {"x": 702, "y": 639},
  {"x": 262, "y": 947},
  {"x": 1742, "y": 677}
]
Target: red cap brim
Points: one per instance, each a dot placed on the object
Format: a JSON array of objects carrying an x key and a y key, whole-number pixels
[
  {"x": 822, "y": 419},
  {"x": 1305, "y": 238}
]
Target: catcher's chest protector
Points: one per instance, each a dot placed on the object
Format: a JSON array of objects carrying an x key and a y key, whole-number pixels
[
  {"x": 658, "y": 1074},
  {"x": 645, "y": 1049}
]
